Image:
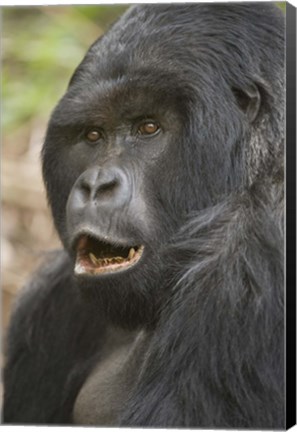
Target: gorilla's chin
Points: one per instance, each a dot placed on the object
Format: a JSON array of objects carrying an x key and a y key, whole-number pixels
[{"x": 130, "y": 306}]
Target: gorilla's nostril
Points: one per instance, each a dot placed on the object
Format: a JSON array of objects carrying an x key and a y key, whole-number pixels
[
  {"x": 107, "y": 187},
  {"x": 85, "y": 187}
]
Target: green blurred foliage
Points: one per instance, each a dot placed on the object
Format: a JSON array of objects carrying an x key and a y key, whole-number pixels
[
  {"x": 282, "y": 5},
  {"x": 41, "y": 47}
]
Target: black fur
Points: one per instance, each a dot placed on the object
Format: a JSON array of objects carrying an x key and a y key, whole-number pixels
[{"x": 205, "y": 198}]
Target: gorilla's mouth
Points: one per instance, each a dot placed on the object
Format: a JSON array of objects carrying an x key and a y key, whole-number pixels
[{"x": 95, "y": 257}]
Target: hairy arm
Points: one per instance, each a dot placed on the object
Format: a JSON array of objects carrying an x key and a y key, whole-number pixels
[{"x": 51, "y": 341}]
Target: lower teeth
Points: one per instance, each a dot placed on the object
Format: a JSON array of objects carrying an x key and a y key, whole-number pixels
[
  {"x": 131, "y": 253},
  {"x": 105, "y": 261},
  {"x": 114, "y": 260}
]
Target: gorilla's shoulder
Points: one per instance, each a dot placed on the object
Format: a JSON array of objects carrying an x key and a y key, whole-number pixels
[{"x": 53, "y": 274}]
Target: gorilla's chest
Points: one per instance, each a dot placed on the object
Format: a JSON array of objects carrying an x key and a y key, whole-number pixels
[{"x": 104, "y": 393}]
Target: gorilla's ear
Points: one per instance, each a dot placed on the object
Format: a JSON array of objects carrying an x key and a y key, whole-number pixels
[{"x": 249, "y": 100}]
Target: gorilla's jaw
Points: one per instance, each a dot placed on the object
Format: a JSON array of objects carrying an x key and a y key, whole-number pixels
[
  {"x": 96, "y": 256},
  {"x": 127, "y": 292}
]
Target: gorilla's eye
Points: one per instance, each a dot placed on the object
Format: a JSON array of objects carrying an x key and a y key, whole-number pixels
[
  {"x": 148, "y": 127},
  {"x": 93, "y": 135}
]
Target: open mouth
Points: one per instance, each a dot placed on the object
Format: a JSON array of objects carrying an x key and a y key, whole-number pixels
[{"x": 96, "y": 257}]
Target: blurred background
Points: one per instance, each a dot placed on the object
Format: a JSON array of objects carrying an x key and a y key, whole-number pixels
[{"x": 41, "y": 47}]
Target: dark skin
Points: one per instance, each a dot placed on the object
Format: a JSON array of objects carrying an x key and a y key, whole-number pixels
[{"x": 163, "y": 165}]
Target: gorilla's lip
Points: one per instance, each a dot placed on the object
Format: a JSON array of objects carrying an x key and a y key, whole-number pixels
[{"x": 95, "y": 256}]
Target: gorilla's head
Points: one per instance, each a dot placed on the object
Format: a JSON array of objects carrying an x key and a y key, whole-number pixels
[{"x": 168, "y": 113}]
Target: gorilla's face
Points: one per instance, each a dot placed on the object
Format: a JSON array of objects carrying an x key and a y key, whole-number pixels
[{"x": 109, "y": 161}]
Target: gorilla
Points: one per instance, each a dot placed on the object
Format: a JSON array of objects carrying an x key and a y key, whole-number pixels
[{"x": 163, "y": 165}]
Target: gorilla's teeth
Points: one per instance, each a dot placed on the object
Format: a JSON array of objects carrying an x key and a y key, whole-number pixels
[
  {"x": 93, "y": 258},
  {"x": 131, "y": 253},
  {"x": 110, "y": 260},
  {"x": 118, "y": 259},
  {"x": 105, "y": 261},
  {"x": 89, "y": 263}
]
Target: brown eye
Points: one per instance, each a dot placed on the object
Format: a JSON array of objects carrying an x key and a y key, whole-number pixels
[
  {"x": 148, "y": 128},
  {"x": 93, "y": 135}
]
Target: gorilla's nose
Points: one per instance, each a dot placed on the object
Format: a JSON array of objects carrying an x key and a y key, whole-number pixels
[
  {"x": 100, "y": 188},
  {"x": 96, "y": 184}
]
